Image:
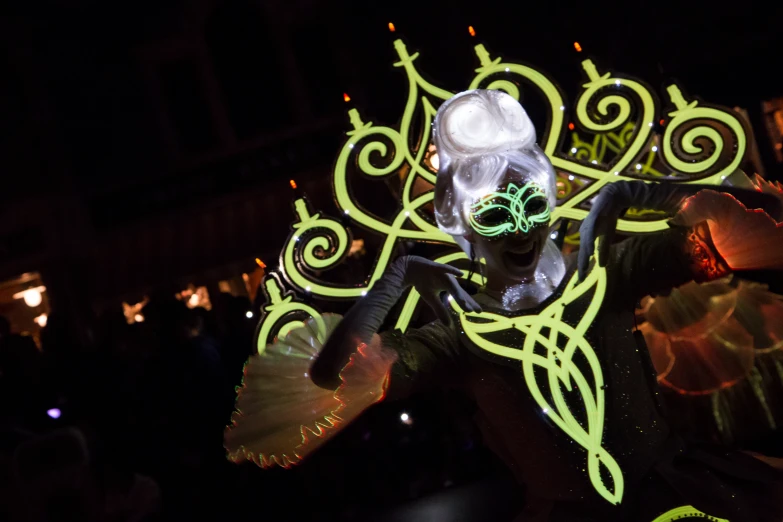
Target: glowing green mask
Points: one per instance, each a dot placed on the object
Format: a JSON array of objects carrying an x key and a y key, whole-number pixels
[{"x": 510, "y": 211}]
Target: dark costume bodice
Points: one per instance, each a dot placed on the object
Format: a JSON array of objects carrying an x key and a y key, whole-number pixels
[{"x": 514, "y": 404}]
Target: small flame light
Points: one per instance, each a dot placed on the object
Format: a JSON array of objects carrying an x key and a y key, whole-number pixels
[
  {"x": 292, "y": 183},
  {"x": 346, "y": 98},
  {"x": 471, "y": 30},
  {"x": 391, "y": 27},
  {"x": 577, "y": 47}
]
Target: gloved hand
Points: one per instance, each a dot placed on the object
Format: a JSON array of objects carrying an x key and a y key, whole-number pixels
[
  {"x": 363, "y": 320},
  {"x": 615, "y": 198},
  {"x": 431, "y": 280}
]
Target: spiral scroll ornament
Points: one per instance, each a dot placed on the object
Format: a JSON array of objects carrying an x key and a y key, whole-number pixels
[{"x": 701, "y": 143}]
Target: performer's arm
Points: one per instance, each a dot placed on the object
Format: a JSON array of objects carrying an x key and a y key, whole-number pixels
[
  {"x": 713, "y": 233},
  {"x": 426, "y": 358},
  {"x": 360, "y": 325},
  {"x": 656, "y": 263},
  {"x": 281, "y": 416}
]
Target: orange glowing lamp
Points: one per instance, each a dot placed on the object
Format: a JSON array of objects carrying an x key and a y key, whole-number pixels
[
  {"x": 471, "y": 30},
  {"x": 292, "y": 183},
  {"x": 391, "y": 27},
  {"x": 577, "y": 47},
  {"x": 346, "y": 98}
]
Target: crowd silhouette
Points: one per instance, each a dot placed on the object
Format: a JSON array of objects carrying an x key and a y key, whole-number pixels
[{"x": 124, "y": 422}]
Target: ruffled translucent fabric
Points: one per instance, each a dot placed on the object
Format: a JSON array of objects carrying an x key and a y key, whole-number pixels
[
  {"x": 722, "y": 341},
  {"x": 747, "y": 239},
  {"x": 281, "y": 416},
  {"x": 705, "y": 337}
]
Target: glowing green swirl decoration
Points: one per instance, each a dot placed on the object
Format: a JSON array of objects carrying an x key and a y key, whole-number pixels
[
  {"x": 702, "y": 143},
  {"x": 686, "y": 512},
  {"x": 562, "y": 374},
  {"x": 609, "y": 103},
  {"x": 506, "y": 212}
]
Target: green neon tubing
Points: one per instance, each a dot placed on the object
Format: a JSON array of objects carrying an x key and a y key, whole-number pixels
[
  {"x": 510, "y": 201},
  {"x": 686, "y": 512},
  {"x": 685, "y": 112},
  {"x": 562, "y": 373},
  {"x": 367, "y": 140},
  {"x": 278, "y": 309},
  {"x": 405, "y": 148}
]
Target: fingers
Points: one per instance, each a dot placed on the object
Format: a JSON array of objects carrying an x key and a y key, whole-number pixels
[
  {"x": 586, "y": 242},
  {"x": 605, "y": 230},
  {"x": 438, "y": 307},
  {"x": 603, "y": 250},
  {"x": 464, "y": 300},
  {"x": 448, "y": 269},
  {"x": 452, "y": 270}
]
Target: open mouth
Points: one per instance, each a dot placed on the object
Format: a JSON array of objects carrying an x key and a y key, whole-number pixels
[{"x": 522, "y": 256}]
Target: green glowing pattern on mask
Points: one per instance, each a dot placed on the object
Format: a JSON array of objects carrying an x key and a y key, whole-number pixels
[{"x": 511, "y": 207}]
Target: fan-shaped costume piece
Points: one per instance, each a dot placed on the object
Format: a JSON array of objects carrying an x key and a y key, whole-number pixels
[
  {"x": 729, "y": 220},
  {"x": 723, "y": 339},
  {"x": 281, "y": 416},
  {"x": 704, "y": 337}
]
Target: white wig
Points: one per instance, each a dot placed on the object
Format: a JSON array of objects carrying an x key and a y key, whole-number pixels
[{"x": 481, "y": 138}]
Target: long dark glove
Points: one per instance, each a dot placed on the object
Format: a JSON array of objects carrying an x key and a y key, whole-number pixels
[
  {"x": 366, "y": 316},
  {"x": 615, "y": 198}
]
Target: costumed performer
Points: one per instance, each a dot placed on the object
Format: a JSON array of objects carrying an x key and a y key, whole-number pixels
[{"x": 565, "y": 388}]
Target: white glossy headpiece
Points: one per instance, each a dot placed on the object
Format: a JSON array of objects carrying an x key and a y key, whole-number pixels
[{"x": 483, "y": 139}]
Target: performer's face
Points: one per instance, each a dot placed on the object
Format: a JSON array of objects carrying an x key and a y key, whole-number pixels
[{"x": 509, "y": 228}]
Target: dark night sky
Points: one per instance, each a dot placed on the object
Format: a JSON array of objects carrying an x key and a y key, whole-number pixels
[
  {"x": 715, "y": 51},
  {"x": 725, "y": 55}
]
